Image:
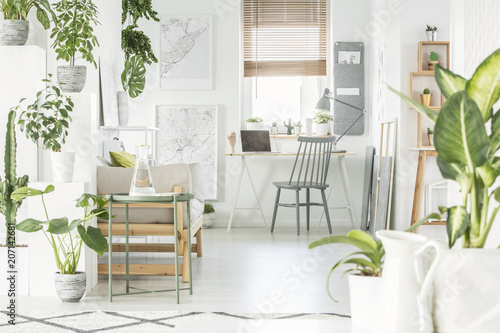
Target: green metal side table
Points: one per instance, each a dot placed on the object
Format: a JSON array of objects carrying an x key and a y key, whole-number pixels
[{"x": 172, "y": 198}]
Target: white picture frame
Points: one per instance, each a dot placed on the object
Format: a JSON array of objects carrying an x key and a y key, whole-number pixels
[
  {"x": 109, "y": 98},
  {"x": 188, "y": 134},
  {"x": 186, "y": 52}
]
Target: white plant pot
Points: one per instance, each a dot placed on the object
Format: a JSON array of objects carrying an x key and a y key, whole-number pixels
[
  {"x": 14, "y": 32},
  {"x": 466, "y": 295},
  {"x": 71, "y": 79},
  {"x": 364, "y": 295},
  {"x": 255, "y": 126},
  {"x": 322, "y": 129},
  {"x": 208, "y": 220},
  {"x": 63, "y": 165},
  {"x": 70, "y": 287}
]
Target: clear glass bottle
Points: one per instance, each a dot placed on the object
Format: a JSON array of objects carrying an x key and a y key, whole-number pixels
[{"x": 142, "y": 182}]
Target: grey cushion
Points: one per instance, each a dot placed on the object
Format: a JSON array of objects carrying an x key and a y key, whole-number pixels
[{"x": 118, "y": 180}]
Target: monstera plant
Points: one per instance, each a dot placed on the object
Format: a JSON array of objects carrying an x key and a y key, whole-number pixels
[{"x": 467, "y": 138}]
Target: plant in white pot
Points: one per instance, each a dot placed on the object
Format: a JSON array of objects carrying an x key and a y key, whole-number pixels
[
  {"x": 322, "y": 120},
  {"x": 431, "y": 32},
  {"x": 67, "y": 238},
  {"x": 365, "y": 284},
  {"x": 14, "y": 28},
  {"x": 208, "y": 215},
  {"x": 74, "y": 34},
  {"x": 467, "y": 140},
  {"x": 46, "y": 121},
  {"x": 255, "y": 123}
]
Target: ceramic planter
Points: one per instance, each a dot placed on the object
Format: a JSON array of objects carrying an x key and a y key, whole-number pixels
[
  {"x": 255, "y": 126},
  {"x": 432, "y": 64},
  {"x": 322, "y": 129},
  {"x": 70, "y": 287},
  {"x": 71, "y": 79},
  {"x": 63, "y": 165},
  {"x": 14, "y": 32},
  {"x": 208, "y": 219},
  {"x": 364, "y": 295},
  {"x": 426, "y": 99}
]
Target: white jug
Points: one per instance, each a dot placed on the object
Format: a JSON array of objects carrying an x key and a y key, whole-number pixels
[{"x": 404, "y": 293}]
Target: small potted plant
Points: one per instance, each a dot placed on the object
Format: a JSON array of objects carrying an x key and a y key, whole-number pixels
[
  {"x": 298, "y": 127},
  {"x": 322, "y": 119},
  {"x": 274, "y": 128},
  {"x": 433, "y": 61},
  {"x": 365, "y": 283},
  {"x": 288, "y": 126},
  {"x": 14, "y": 28},
  {"x": 431, "y": 33},
  {"x": 73, "y": 34},
  {"x": 430, "y": 136},
  {"x": 426, "y": 97},
  {"x": 65, "y": 242},
  {"x": 255, "y": 123},
  {"x": 208, "y": 215},
  {"x": 47, "y": 120}
]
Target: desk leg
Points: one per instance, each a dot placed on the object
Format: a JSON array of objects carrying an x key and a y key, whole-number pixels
[
  {"x": 347, "y": 190},
  {"x": 189, "y": 248},
  {"x": 126, "y": 250},
  {"x": 255, "y": 194},
  {"x": 236, "y": 193},
  {"x": 110, "y": 251},
  {"x": 176, "y": 246}
]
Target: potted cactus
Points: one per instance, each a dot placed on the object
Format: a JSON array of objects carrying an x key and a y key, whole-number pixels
[
  {"x": 433, "y": 61},
  {"x": 274, "y": 128},
  {"x": 426, "y": 97},
  {"x": 298, "y": 127},
  {"x": 430, "y": 136}
]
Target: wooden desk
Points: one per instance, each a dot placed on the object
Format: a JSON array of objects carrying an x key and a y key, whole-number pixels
[{"x": 244, "y": 167}]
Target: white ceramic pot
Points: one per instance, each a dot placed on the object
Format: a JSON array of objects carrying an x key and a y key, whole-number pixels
[
  {"x": 364, "y": 295},
  {"x": 70, "y": 287},
  {"x": 71, "y": 79},
  {"x": 14, "y": 32},
  {"x": 466, "y": 291},
  {"x": 322, "y": 129},
  {"x": 63, "y": 164},
  {"x": 208, "y": 220},
  {"x": 255, "y": 126}
]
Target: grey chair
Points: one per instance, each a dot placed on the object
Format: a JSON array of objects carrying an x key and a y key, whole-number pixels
[{"x": 309, "y": 172}]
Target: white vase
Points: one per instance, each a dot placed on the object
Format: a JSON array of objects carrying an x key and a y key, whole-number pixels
[
  {"x": 63, "y": 164},
  {"x": 255, "y": 126},
  {"x": 309, "y": 126},
  {"x": 364, "y": 295},
  {"x": 122, "y": 98},
  {"x": 70, "y": 287},
  {"x": 322, "y": 129},
  {"x": 208, "y": 220}
]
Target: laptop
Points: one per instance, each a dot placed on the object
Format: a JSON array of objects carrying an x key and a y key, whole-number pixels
[{"x": 255, "y": 141}]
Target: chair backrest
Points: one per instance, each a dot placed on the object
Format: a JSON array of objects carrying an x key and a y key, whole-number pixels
[{"x": 312, "y": 160}]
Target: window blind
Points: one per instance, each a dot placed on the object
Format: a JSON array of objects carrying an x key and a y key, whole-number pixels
[{"x": 284, "y": 37}]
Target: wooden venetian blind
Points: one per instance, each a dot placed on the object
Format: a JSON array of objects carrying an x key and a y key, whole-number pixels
[{"x": 284, "y": 37}]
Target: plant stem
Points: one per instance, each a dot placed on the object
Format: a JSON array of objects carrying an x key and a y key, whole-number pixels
[{"x": 72, "y": 55}]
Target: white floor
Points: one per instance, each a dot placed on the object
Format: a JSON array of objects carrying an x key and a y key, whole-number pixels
[{"x": 244, "y": 271}]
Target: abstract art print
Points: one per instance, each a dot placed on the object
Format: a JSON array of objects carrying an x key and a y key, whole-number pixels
[
  {"x": 187, "y": 134},
  {"x": 186, "y": 52}
]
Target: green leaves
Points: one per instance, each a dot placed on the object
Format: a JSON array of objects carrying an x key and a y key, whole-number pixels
[
  {"x": 30, "y": 225},
  {"x": 134, "y": 76},
  {"x": 432, "y": 115},
  {"x": 135, "y": 42},
  {"x": 61, "y": 226},
  {"x": 25, "y": 192},
  {"x": 458, "y": 221},
  {"x": 93, "y": 238},
  {"x": 448, "y": 82},
  {"x": 138, "y": 9}
]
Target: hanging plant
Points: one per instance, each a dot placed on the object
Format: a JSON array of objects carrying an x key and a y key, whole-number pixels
[
  {"x": 134, "y": 76},
  {"x": 137, "y": 9},
  {"x": 135, "y": 42}
]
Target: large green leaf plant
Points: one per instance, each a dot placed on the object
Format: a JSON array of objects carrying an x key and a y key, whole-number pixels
[
  {"x": 19, "y": 10},
  {"x": 467, "y": 138},
  {"x": 60, "y": 232}
]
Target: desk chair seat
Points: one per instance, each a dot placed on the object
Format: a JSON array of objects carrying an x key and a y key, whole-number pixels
[{"x": 310, "y": 171}]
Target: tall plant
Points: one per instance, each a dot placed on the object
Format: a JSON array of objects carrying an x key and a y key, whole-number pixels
[
  {"x": 9, "y": 206},
  {"x": 466, "y": 150},
  {"x": 73, "y": 32},
  {"x": 19, "y": 10}
]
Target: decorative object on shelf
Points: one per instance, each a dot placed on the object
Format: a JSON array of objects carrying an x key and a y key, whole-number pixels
[
  {"x": 431, "y": 33},
  {"x": 47, "y": 120},
  {"x": 136, "y": 45},
  {"x": 109, "y": 100},
  {"x": 322, "y": 119},
  {"x": 67, "y": 246},
  {"x": 466, "y": 154},
  {"x": 186, "y": 52},
  {"x": 426, "y": 97},
  {"x": 188, "y": 135},
  {"x": 255, "y": 123},
  {"x": 72, "y": 34},
  {"x": 122, "y": 99},
  {"x": 142, "y": 182},
  {"x": 274, "y": 128},
  {"x": 10, "y": 183},
  {"x": 309, "y": 126},
  {"x": 208, "y": 215},
  {"x": 232, "y": 141},
  {"x": 364, "y": 286},
  {"x": 298, "y": 128},
  {"x": 430, "y": 136},
  {"x": 14, "y": 28},
  {"x": 288, "y": 126},
  {"x": 433, "y": 62}
]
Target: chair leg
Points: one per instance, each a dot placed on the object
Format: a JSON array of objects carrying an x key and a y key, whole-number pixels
[
  {"x": 297, "y": 209},
  {"x": 307, "y": 207},
  {"x": 327, "y": 213},
  {"x": 278, "y": 192},
  {"x": 199, "y": 243}
]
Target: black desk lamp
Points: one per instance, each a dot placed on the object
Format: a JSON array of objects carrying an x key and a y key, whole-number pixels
[{"x": 325, "y": 105}]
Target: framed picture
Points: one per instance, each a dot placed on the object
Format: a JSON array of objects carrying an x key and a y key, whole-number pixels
[
  {"x": 187, "y": 134},
  {"x": 186, "y": 52},
  {"x": 346, "y": 57},
  {"x": 108, "y": 94}
]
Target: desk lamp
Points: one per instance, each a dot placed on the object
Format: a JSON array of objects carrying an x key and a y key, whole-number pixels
[{"x": 324, "y": 105}]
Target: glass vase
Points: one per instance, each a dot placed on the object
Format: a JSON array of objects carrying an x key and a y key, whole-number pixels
[{"x": 142, "y": 182}]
